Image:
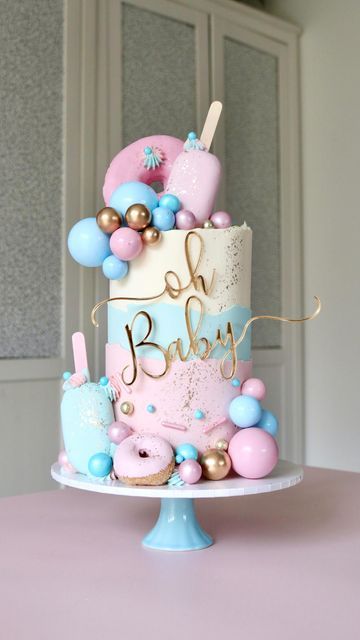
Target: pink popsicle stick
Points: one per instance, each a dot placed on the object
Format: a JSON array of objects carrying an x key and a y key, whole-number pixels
[{"x": 79, "y": 351}]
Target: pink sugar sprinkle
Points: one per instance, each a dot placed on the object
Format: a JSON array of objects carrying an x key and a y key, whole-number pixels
[
  {"x": 173, "y": 425},
  {"x": 212, "y": 426}
]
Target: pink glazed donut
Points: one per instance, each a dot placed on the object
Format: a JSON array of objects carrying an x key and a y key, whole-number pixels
[
  {"x": 128, "y": 165},
  {"x": 144, "y": 459}
]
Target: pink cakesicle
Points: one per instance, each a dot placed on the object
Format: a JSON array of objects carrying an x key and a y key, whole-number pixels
[
  {"x": 195, "y": 175},
  {"x": 194, "y": 179}
]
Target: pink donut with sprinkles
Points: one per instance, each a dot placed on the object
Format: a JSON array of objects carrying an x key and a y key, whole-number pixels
[
  {"x": 144, "y": 460},
  {"x": 146, "y": 160}
]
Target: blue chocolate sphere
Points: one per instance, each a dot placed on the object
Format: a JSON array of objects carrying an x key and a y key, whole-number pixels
[
  {"x": 88, "y": 245},
  {"x": 163, "y": 218},
  {"x": 245, "y": 411},
  {"x": 187, "y": 451},
  {"x": 129, "y": 193},
  {"x": 268, "y": 422},
  {"x": 114, "y": 268},
  {"x": 100, "y": 465},
  {"x": 170, "y": 202}
]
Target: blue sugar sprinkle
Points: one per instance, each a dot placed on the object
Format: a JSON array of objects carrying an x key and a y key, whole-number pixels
[
  {"x": 236, "y": 382},
  {"x": 66, "y": 375},
  {"x": 150, "y": 408},
  {"x": 198, "y": 415}
]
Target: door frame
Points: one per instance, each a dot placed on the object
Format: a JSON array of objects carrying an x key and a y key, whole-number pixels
[{"x": 289, "y": 357}]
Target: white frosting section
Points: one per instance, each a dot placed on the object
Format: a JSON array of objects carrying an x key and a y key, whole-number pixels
[{"x": 227, "y": 251}]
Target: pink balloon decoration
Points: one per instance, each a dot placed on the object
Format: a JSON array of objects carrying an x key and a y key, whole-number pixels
[
  {"x": 126, "y": 243},
  {"x": 118, "y": 431},
  {"x": 255, "y": 388},
  {"x": 185, "y": 220},
  {"x": 253, "y": 452},
  {"x": 221, "y": 220},
  {"x": 190, "y": 471}
]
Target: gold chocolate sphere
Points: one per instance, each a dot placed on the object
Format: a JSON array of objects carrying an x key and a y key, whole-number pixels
[
  {"x": 151, "y": 236},
  {"x": 208, "y": 224},
  {"x": 108, "y": 220},
  {"x": 138, "y": 217},
  {"x": 222, "y": 444},
  {"x": 127, "y": 408},
  {"x": 216, "y": 464}
]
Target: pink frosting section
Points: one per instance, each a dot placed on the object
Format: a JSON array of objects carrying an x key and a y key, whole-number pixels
[
  {"x": 129, "y": 463},
  {"x": 128, "y": 165},
  {"x": 187, "y": 386}
]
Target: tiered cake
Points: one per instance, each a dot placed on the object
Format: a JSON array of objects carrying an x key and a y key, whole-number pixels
[{"x": 178, "y": 387}]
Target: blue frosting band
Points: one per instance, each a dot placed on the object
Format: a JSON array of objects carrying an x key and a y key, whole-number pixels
[{"x": 169, "y": 324}]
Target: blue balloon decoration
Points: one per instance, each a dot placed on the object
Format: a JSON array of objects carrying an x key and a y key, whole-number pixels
[
  {"x": 268, "y": 422},
  {"x": 130, "y": 193},
  {"x": 114, "y": 268},
  {"x": 88, "y": 245},
  {"x": 163, "y": 218},
  {"x": 100, "y": 465},
  {"x": 170, "y": 202},
  {"x": 245, "y": 411},
  {"x": 187, "y": 451}
]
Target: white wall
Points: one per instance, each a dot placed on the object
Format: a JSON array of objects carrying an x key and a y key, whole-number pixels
[{"x": 330, "y": 51}]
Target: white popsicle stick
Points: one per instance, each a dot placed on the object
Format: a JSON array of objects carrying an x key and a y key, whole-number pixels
[
  {"x": 79, "y": 351},
  {"x": 211, "y": 122}
]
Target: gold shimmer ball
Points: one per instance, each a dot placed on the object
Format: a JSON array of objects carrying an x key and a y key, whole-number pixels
[
  {"x": 127, "y": 408},
  {"x": 138, "y": 217},
  {"x": 222, "y": 444},
  {"x": 108, "y": 220},
  {"x": 151, "y": 236},
  {"x": 208, "y": 224},
  {"x": 216, "y": 464}
]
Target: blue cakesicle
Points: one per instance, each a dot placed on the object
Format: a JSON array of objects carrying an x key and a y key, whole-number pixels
[{"x": 86, "y": 414}]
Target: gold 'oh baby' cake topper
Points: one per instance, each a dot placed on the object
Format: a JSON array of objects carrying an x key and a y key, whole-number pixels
[{"x": 199, "y": 346}]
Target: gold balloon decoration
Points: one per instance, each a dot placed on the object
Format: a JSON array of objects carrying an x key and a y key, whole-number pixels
[
  {"x": 222, "y": 444},
  {"x": 127, "y": 408},
  {"x": 151, "y": 236},
  {"x": 108, "y": 220},
  {"x": 208, "y": 224},
  {"x": 138, "y": 217},
  {"x": 216, "y": 464}
]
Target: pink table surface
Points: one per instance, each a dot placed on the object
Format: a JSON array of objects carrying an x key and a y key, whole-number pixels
[{"x": 285, "y": 565}]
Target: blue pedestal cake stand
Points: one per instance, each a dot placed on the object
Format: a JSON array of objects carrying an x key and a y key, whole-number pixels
[{"x": 177, "y": 527}]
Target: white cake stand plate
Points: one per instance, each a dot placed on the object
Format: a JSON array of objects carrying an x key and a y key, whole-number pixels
[{"x": 177, "y": 528}]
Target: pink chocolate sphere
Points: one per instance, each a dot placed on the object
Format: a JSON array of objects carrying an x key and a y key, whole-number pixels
[
  {"x": 126, "y": 243},
  {"x": 118, "y": 431},
  {"x": 63, "y": 461},
  {"x": 253, "y": 452},
  {"x": 190, "y": 471},
  {"x": 255, "y": 388},
  {"x": 221, "y": 220},
  {"x": 185, "y": 220}
]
